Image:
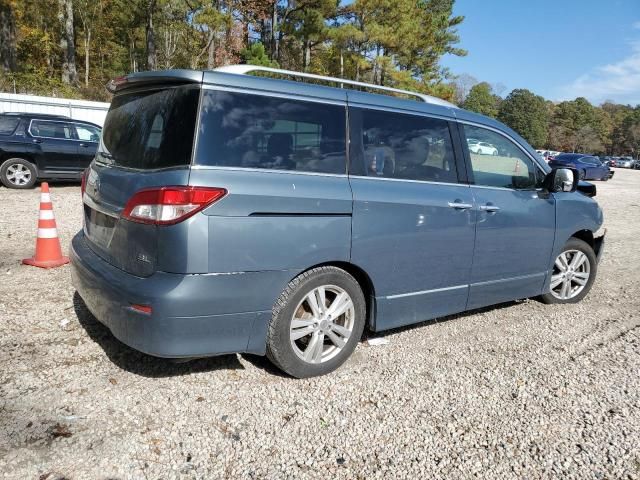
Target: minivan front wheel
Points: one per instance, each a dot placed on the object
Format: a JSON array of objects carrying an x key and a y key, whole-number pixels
[
  {"x": 573, "y": 273},
  {"x": 316, "y": 322},
  {"x": 18, "y": 173}
]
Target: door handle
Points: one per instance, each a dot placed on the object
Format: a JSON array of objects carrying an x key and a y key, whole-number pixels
[
  {"x": 84, "y": 145},
  {"x": 489, "y": 208},
  {"x": 458, "y": 205}
]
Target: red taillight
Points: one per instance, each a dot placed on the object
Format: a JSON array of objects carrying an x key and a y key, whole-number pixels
[
  {"x": 83, "y": 182},
  {"x": 142, "y": 308},
  {"x": 169, "y": 205}
]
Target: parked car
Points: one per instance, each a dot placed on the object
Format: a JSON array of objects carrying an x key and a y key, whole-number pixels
[
  {"x": 605, "y": 160},
  {"x": 221, "y": 215},
  {"x": 588, "y": 166},
  {"x": 37, "y": 146},
  {"x": 482, "y": 148},
  {"x": 625, "y": 162}
]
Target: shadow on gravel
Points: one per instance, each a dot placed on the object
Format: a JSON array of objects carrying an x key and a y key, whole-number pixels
[
  {"x": 261, "y": 362},
  {"x": 139, "y": 363}
]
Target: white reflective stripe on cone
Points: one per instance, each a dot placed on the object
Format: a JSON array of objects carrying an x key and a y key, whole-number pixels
[
  {"x": 45, "y": 197},
  {"x": 46, "y": 214},
  {"x": 47, "y": 233}
]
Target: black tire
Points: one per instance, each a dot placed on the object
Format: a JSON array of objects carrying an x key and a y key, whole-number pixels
[
  {"x": 9, "y": 182},
  {"x": 582, "y": 174},
  {"x": 584, "y": 247},
  {"x": 279, "y": 346}
]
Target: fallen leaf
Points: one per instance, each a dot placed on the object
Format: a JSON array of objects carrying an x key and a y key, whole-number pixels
[
  {"x": 59, "y": 430},
  {"x": 113, "y": 381}
]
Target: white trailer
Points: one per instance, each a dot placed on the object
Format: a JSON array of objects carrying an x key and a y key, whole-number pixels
[{"x": 94, "y": 112}]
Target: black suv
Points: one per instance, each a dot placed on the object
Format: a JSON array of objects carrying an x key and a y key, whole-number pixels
[{"x": 38, "y": 146}]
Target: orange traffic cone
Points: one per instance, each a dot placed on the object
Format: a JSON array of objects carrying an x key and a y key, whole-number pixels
[{"x": 48, "y": 252}]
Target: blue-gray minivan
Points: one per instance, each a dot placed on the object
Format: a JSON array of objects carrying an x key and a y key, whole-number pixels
[{"x": 231, "y": 212}]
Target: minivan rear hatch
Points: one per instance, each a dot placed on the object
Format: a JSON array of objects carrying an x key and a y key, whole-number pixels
[{"x": 147, "y": 142}]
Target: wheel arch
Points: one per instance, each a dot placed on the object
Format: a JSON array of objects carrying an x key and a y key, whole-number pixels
[
  {"x": 4, "y": 156},
  {"x": 363, "y": 279},
  {"x": 586, "y": 236}
]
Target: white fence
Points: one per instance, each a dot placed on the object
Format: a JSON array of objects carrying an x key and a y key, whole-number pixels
[{"x": 77, "y": 109}]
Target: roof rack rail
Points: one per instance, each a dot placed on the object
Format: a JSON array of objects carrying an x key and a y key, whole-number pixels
[{"x": 246, "y": 69}]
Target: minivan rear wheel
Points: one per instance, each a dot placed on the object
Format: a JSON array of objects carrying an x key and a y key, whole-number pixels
[
  {"x": 573, "y": 273},
  {"x": 316, "y": 322},
  {"x": 18, "y": 173}
]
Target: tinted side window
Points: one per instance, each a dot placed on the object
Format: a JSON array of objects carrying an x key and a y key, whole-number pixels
[
  {"x": 244, "y": 130},
  {"x": 501, "y": 163},
  {"x": 8, "y": 125},
  {"x": 403, "y": 146},
  {"x": 41, "y": 128}
]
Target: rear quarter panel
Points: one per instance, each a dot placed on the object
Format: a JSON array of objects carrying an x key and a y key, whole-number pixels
[{"x": 275, "y": 220}]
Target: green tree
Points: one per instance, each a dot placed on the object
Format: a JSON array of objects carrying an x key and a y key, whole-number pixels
[
  {"x": 526, "y": 113},
  {"x": 481, "y": 99},
  {"x": 255, "y": 54}
]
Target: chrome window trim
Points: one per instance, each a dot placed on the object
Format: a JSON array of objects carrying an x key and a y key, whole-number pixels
[
  {"x": 59, "y": 121},
  {"x": 262, "y": 170},
  {"x": 429, "y": 182},
  {"x": 487, "y": 187}
]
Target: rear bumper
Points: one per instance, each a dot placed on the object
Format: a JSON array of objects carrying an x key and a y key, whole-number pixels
[{"x": 192, "y": 315}]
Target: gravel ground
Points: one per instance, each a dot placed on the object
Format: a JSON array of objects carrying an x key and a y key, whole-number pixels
[{"x": 521, "y": 390}]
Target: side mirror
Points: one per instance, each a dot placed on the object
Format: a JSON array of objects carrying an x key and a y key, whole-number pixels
[{"x": 561, "y": 180}]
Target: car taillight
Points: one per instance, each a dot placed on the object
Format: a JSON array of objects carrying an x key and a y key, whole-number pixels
[
  {"x": 169, "y": 205},
  {"x": 83, "y": 182}
]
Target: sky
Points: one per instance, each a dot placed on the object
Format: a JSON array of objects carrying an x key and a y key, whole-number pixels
[{"x": 560, "y": 49}]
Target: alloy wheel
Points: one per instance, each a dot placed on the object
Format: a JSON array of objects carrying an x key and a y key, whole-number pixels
[
  {"x": 570, "y": 274},
  {"x": 322, "y": 324},
  {"x": 18, "y": 174}
]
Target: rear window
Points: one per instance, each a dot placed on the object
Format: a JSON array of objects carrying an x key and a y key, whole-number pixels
[
  {"x": 8, "y": 125},
  {"x": 150, "y": 129},
  {"x": 253, "y": 131}
]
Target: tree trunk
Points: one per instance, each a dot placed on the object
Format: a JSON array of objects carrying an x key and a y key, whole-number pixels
[
  {"x": 152, "y": 58},
  {"x": 211, "y": 51},
  {"x": 87, "y": 46},
  {"x": 7, "y": 38},
  {"x": 275, "y": 43},
  {"x": 67, "y": 43},
  {"x": 306, "y": 61},
  {"x": 341, "y": 64}
]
